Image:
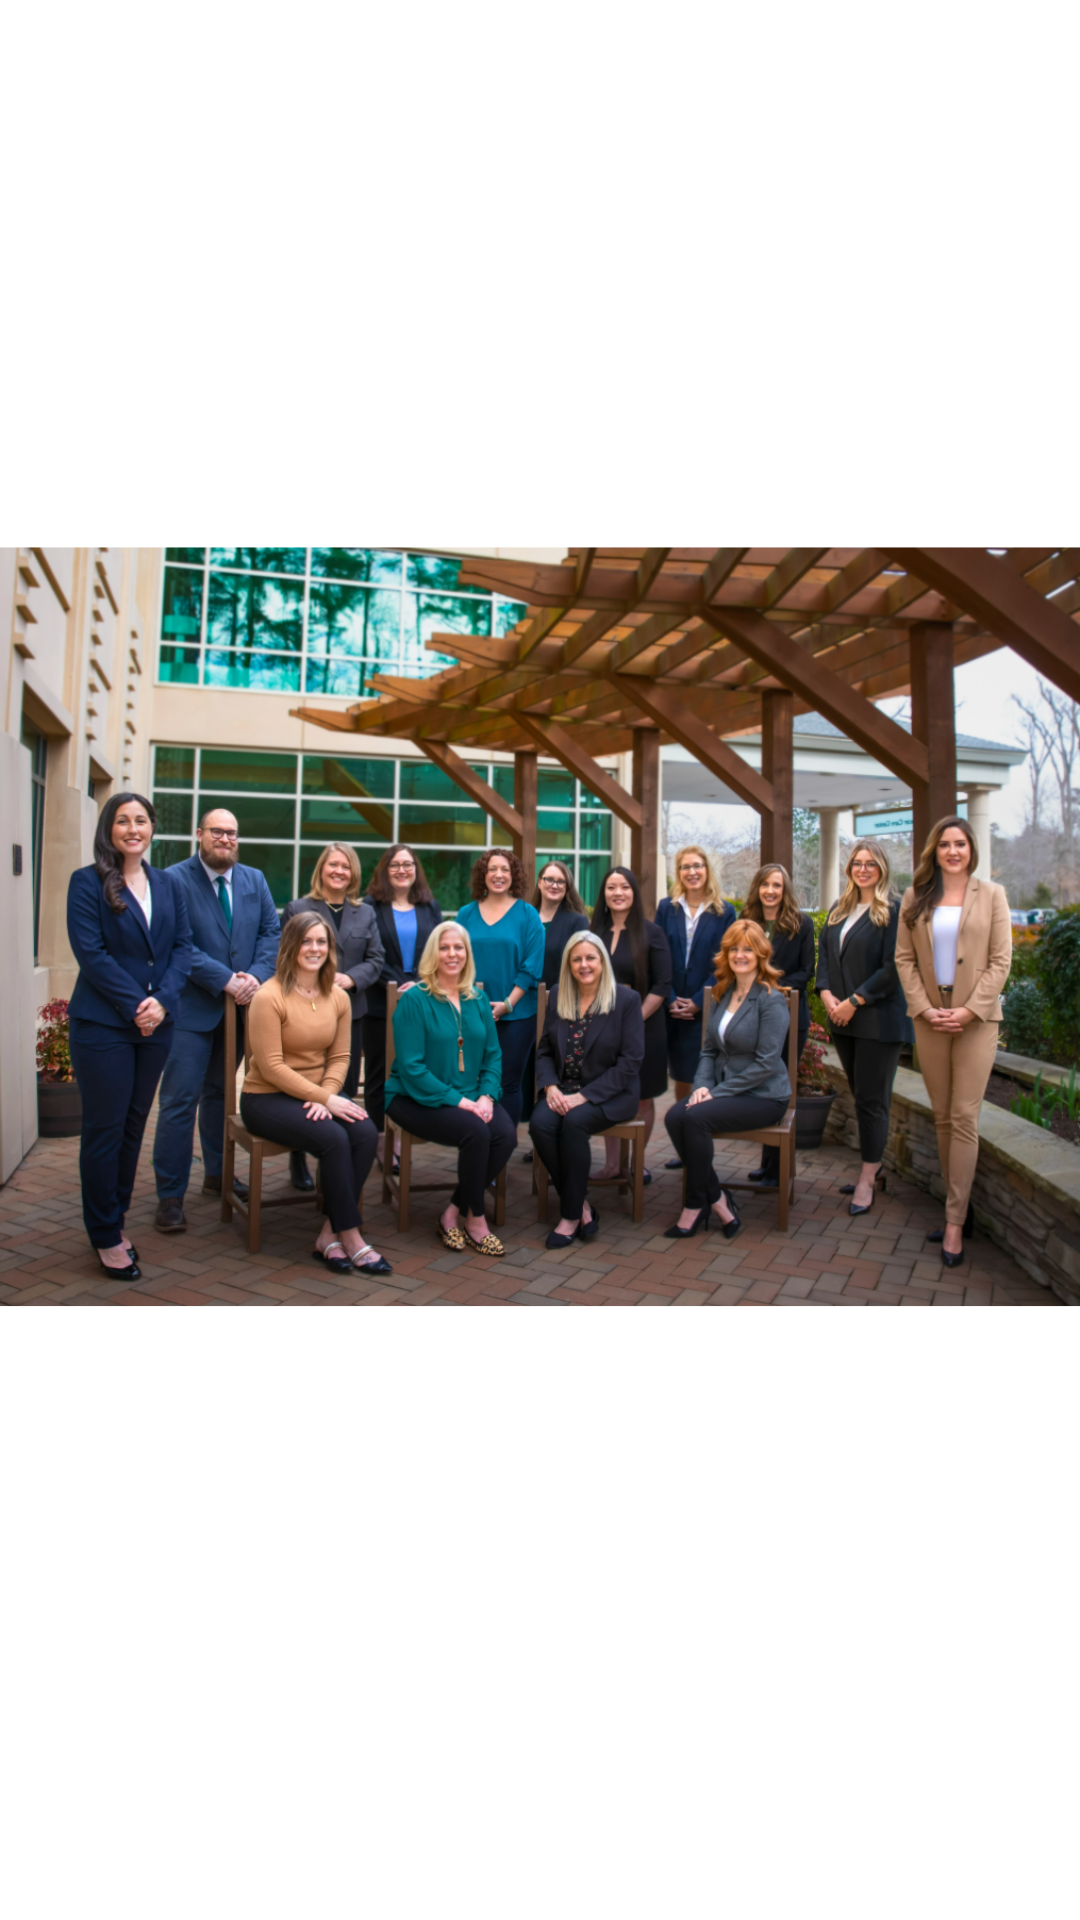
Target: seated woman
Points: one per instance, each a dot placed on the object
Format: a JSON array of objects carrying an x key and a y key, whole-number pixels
[
  {"x": 741, "y": 1081},
  {"x": 446, "y": 1078},
  {"x": 588, "y": 1067},
  {"x": 300, "y": 1024}
]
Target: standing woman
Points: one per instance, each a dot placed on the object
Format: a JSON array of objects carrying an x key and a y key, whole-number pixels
[
  {"x": 640, "y": 958},
  {"x": 129, "y": 931},
  {"x": 444, "y": 1083},
  {"x": 953, "y": 955},
  {"x": 301, "y": 1044},
  {"x": 334, "y": 895},
  {"x": 407, "y": 914},
  {"x": 773, "y": 905},
  {"x": 860, "y": 988},
  {"x": 694, "y": 920},
  {"x": 507, "y": 938}
]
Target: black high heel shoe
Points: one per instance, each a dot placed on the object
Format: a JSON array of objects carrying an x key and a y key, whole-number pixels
[
  {"x": 131, "y": 1272},
  {"x": 938, "y": 1234},
  {"x": 684, "y": 1233},
  {"x": 729, "y": 1228},
  {"x": 849, "y": 1187},
  {"x": 588, "y": 1229}
]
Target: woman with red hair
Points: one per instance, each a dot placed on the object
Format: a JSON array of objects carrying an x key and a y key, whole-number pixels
[{"x": 741, "y": 1081}]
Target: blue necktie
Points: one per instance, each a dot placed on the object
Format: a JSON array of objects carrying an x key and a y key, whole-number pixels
[{"x": 226, "y": 903}]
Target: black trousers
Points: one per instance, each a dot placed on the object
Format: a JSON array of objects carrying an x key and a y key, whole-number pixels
[
  {"x": 770, "y": 1156},
  {"x": 345, "y": 1149},
  {"x": 870, "y": 1066},
  {"x": 352, "y": 1078},
  {"x": 484, "y": 1146},
  {"x": 118, "y": 1072},
  {"x": 374, "y": 1067},
  {"x": 517, "y": 1038},
  {"x": 692, "y": 1130},
  {"x": 563, "y": 1141}
]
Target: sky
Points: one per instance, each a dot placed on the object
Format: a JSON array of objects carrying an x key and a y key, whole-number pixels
[{"x": 984, "y": 708}]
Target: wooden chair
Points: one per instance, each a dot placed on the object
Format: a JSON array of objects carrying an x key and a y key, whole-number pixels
[
  {"x": 398, "y": 1187},
  {"x": 257, "y": 1149},
  {"x": 782, "y": 1134},
  {"x": 626, "y": 1132}
]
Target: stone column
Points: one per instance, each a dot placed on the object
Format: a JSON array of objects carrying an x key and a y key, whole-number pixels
[
  {"x": 828, "y": 855},
  {"x": 978, "y": 813}
]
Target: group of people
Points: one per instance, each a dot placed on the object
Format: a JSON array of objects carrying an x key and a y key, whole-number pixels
[{"x": 159, "y": 950}]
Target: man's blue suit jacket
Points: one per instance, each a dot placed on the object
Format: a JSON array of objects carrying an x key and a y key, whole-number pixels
[
  {"x": 250, "y": 947},
  {"x": 121, "y": 960}
]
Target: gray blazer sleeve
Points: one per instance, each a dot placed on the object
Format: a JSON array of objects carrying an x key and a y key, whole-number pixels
[{"x": 367, "y": 971}]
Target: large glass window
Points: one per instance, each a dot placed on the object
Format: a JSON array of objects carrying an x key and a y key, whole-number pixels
[
  {"x": 289, "y": 805},
  {"x": 316, "y": 620}
]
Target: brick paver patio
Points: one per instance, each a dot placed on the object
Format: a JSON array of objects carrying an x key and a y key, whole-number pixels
[{"x": 827, "y": 1258}]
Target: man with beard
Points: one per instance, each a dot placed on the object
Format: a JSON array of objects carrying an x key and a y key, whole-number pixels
[{"x": 235, "y": 929}]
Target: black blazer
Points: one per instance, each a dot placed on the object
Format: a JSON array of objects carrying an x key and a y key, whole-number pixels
[
  {"x": 428, "y": 915},
  {"x": 614, "y": 1051},
  {"x": 866, "y": 965},
  {"x": 793, "y": 953},
  {"x": 557, "y": 932},
  {"x": 360, "y": 949},
  {"x": 122, "y": 961}
]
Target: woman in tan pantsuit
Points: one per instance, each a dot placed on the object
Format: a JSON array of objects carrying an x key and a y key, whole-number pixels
[{"x": 953, "y": 955}]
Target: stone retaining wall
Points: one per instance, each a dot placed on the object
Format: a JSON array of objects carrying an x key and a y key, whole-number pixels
[{"x": 1027, "y": 1187}]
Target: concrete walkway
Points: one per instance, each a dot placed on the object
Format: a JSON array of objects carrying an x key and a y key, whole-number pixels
[{"x": 827, "y": 1258}]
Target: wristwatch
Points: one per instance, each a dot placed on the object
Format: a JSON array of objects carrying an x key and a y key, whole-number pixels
[{"x": 856, "y": 1001}]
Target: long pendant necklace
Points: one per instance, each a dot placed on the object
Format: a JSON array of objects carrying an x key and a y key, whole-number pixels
[{"x": 460, "y": 1045}]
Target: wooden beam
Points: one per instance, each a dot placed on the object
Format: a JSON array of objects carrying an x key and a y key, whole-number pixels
[
  {"x": 478, "y": 791},
  {"x": 933, "y": 721},
  {"x": 567, "y": 749},
  {"x": 525, "y": 783},
  {"x": 1000, "y": 599},
  {"x": 644, "y": 839},
  {"x": 350, "y": 789},
  {"x": 827, "y": 693},
  {"x": 786, "y": 575},
  {"x": 681, "y": 722},
  {"x": 777, "y": 765},
  {"x": 601, "y": 623}
]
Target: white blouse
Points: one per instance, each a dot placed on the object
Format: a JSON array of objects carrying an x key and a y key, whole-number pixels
[
  {"x": 946, "y": 938},
  {"x": 853, "y": 918}
]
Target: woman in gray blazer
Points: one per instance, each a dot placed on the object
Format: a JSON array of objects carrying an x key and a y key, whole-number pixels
[
  {"x": 335, "y": 895},
  {"x": 741, "y": 1081}
]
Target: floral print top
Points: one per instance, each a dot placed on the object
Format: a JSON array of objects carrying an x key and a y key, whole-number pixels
[{"x": 575, "y": 1054}]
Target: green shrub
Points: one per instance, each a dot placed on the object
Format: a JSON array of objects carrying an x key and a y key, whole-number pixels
[
  {"x": 817, "y": 1011},
  {"x": 1057, "y": 973},
  {"x": 1024, "y": 1029}
]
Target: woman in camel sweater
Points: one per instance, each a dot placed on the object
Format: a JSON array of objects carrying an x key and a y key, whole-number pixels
[{"x": 300, "y": 1025}]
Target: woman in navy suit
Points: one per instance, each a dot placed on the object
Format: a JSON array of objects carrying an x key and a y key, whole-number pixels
[
  {"x": 406, "y": 913},
  {"x": 695, "y": 920},
  {"x": 129, "y": 931}
]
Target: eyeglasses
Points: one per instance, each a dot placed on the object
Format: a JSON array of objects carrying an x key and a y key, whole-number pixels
[
  {"x": 401, "y": 866},
  {"x": 219, "y": 833},
  {"x": 865, "y": 866},
  {"x": 691, "y": 866}
]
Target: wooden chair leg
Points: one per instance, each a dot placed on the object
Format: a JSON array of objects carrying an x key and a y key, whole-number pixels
[
  {"x": 388, "y": 1160},
  {"x": 405, "y": 1175},
  {"x": 255, "y": 1174},
  {"x": 785, "y": 1182},
  {"x": 638, "y": 1212},
  {"x": 624, "y": 1158},
  {"x": 228, "y": 1163},
  {"x": 500, "y": 1198}
]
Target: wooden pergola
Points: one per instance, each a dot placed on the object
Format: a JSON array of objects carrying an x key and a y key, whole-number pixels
[{"x": 625, "y": 649}]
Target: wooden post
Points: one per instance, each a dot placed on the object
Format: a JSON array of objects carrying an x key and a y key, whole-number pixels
[
  {"x": 643, "y": 839},
  {"x": 828, "y": 855},
  {"x": 933, "y": 721},
  {"x": 777, "y": 766},
  {"x": 525, "y": 783}
]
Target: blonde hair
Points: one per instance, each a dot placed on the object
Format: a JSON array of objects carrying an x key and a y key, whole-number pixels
[
  {"x": 293, "y": 935},
  {"x": 713, "y": 895},
  {"x": 744, "y": 933},
  {"x": 568, "y": 1004},
  {"x": 352, "y": 892},
  {"x": 428, "y": 968},
  {"x": 849, "y": 899}
]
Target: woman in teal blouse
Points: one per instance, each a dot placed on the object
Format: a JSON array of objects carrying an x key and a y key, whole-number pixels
[
  {"x": 507, "y": 937},
  {"x": 445, "y": 1081}
]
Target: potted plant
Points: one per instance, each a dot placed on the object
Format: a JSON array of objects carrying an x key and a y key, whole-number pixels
[
  {"x": 59, "y": 1099},
  {"x": 813, "y": 1094}
]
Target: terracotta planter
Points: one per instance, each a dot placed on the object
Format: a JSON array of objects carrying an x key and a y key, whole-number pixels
[
  {"x": 59, "y": 1108},
  {"x": 812, "y": 1111}
]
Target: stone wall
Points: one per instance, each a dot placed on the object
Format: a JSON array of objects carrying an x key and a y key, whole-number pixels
[{"x": 1027, "y": 1188}]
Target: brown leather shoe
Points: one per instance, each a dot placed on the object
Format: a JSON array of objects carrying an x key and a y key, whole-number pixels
[
  {"x": 212, "y": 1184},
  {"x": 170, "y": 1217}
]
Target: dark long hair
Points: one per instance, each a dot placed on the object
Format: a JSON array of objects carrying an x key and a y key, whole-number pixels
[
  {"x": 573, "y": 899},
  {"x": 927, "y": 882},
  {"x": 788, "y": 914},
  {"x": 635, "y": 926},
  {"x": 380, "y": 888},
  {"x": 108, "y": 863}
]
